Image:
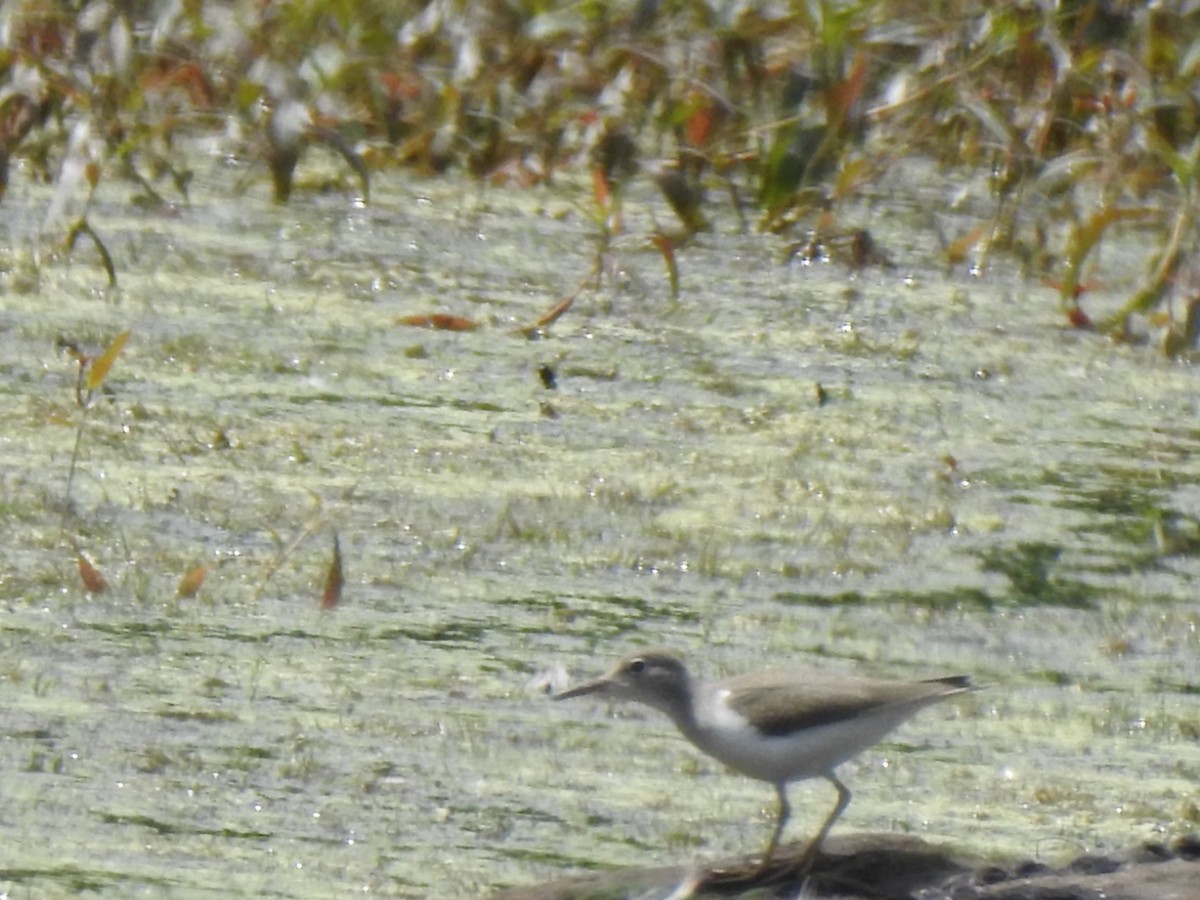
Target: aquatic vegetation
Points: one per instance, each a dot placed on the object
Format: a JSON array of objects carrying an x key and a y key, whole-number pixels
[
  {"x": 93, "y": 372},
  {"x": 1082, "y": 115}
]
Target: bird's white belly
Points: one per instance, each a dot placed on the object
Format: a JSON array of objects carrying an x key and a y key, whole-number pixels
[{"x": 809, "y": 753}]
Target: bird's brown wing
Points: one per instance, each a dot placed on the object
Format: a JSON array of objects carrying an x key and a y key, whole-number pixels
[{"x": 781, "y": 703}]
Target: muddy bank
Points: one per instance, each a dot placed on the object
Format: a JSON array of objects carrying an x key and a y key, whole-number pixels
[{"x": 887, "y": 867}]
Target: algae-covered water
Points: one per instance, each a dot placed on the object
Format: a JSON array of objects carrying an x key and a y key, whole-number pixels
[{"x": 900, "y": 472}]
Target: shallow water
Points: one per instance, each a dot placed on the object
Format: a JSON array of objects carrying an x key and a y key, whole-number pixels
[{"x": 983, "y": 492}]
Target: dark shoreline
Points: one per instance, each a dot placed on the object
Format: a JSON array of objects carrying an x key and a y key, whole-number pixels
[{"x": 887, "y": 867}]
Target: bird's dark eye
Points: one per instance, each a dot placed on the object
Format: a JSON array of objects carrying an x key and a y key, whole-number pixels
[{"x": 637, "y": 666}]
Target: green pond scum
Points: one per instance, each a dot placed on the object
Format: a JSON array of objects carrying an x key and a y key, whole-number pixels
[
  {"x": 1031, "y": 528},
  {"x": 871, "y": 330}
]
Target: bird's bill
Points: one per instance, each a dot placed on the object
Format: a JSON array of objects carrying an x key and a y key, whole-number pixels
[{"x": 595, "y": 686}]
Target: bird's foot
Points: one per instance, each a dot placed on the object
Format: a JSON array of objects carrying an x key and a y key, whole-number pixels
[{"x": 764, "y": 872}]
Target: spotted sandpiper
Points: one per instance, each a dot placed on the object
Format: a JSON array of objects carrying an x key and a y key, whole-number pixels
[{"x": 777, "y": 726}]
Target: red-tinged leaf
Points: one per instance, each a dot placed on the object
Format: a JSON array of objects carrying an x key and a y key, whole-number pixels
[
  {"x": 601, "y": 189},
  {"x": 960, "y": 247},
  {"x": 1078, "y": 318},
  {"x": 189, "y": 584},
  {"x": 552, "y": 315},
  {"x": 667, "y": 248},
  {"x": 189, "y": 76},
  {"x": 400, "y": 86},
  {"x": 699, "y": 126},
  {"x": 1092, "y": 104},
  {"x": 334, "y": 579},
  {"x": 846, "y": 94},
  {"x": 438, "y": 321},
  {"x": 101, "y": 367},
  {"x": 93, "y": 581}
]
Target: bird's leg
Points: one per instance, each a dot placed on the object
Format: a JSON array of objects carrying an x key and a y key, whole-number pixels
[
  {"x": 785, "y": 812},
  {"x": 814, "y": 846}
]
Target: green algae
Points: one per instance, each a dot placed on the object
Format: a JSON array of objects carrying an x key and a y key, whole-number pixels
[{"x": 981, "y": 492}]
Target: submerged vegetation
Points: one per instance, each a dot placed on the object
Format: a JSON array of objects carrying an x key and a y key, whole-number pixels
[{"x": 1082, "y": 114}]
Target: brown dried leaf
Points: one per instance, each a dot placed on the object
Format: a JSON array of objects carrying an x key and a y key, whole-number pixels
[
  {"x": 601, "y": 189},
  {"x": 553, "y": 314},
  {"x": 189, "y": 584},
  {"x": 334, "y": 579},
  {"x": 438, "y": 321},
  {"x": 961, "y": 246},
  {"x": 93, "y": 581}
]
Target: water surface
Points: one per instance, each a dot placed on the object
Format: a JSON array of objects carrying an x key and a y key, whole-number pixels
[{"x": 982, "y": 491}]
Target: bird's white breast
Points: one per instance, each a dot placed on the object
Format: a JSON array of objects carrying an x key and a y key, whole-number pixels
[{"x": 808, "y": 753}]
